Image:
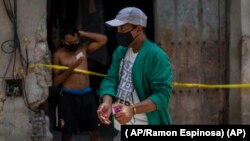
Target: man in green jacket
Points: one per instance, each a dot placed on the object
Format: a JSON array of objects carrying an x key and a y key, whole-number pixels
[{"x": 137, "y": 88}]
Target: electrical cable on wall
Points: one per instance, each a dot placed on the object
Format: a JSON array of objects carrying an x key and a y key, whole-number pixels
[{"x": 13, "y": 47}]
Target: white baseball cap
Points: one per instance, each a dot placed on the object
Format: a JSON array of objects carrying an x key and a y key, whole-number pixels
[{"x": 130, "y": 15}]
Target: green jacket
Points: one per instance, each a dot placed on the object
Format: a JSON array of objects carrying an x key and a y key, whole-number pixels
[{"x": 151, "y": 77}]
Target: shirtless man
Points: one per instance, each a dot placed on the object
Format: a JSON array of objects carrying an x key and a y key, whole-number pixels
[{"x": 77, "y": 101}]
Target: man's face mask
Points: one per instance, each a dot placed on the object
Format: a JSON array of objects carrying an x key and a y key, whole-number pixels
[
  {"x": 124, "y": 39},
  {"x": 72, "y": 47}
]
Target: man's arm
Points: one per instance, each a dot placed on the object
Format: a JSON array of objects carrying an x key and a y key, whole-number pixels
[
  {"x": 104, "y": 110},
  {"x": 98, "y": 40},
  {"x": 60, "y": 77},
  {"x": 144, "y": 106},
  {"x": 126, "y": 113}
]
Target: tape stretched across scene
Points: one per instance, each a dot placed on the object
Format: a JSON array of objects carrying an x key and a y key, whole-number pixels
[
  {"x": 211, "y": 86},
  {"x": 174, "y": 84},
  {"x": 58, "y": 67}
]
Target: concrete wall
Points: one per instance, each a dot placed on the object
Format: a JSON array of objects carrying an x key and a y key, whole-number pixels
[
  {"x": 239, "y": 30},
  {"x": 17, "y": 121},
  {"x": 239, "y": 35},
  {"x": 234, "y": 28},
  {"x": 245, "y": 72}
]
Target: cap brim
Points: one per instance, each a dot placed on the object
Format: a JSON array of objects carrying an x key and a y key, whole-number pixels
[{"x": 115, "y": 23}]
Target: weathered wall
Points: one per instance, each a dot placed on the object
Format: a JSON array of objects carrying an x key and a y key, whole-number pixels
[
  {"x": 245, "y": 93},
  {"x": 17, "y": 122},
  {"x": 234, "y": 20},
  {"x": 239, "y": 30}
]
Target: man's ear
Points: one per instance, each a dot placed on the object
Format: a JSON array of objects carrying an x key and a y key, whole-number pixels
[{"x": 139, "y": 29}]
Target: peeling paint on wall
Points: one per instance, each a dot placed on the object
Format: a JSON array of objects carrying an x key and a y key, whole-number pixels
[
  {"x": 15, "y": 115},
  {"x": 39, "y": 79}
]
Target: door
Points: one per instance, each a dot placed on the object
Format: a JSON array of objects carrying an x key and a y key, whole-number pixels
[{"x": 193, "y": 33}]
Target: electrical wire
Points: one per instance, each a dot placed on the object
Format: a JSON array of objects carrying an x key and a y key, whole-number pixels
[
  {"x": 13, "y": 47},
  {"x": 11, "y": 10}
]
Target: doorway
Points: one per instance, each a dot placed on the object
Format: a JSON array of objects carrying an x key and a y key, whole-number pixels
[{"x": 90, "y": 15}]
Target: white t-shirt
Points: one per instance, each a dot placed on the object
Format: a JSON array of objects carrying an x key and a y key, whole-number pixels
[{"x": 126, "y": 91}]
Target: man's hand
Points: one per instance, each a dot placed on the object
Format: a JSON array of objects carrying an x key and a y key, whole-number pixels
[
  {"x": 76, "y": 63},
  {"x": 104, "y": 112},
  {"x": 125, "y": 113}
]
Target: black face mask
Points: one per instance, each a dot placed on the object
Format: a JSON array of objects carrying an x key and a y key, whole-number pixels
[
  {"x": 124, "y": 39},
  {"x": 72, "y": 47}
]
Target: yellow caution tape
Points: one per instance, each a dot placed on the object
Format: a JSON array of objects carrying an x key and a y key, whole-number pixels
[
  {"x": 58, "y": 67},
  {"x": 174, "y": 84},
  {"x": 211, "y": 86}
]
